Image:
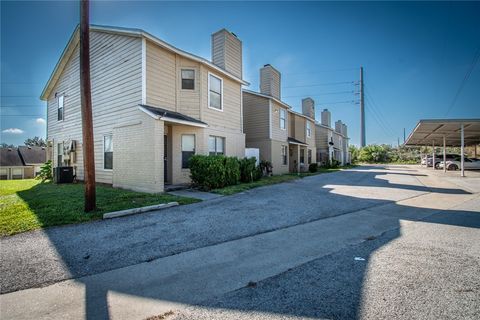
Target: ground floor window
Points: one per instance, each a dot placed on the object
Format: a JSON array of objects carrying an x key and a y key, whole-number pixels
[
  {"x": 284, "y": 155},
  {"x": 309, "y": 156},
  {"x": 17, "y": 173},
  {"x": 3, "y": 173},
  {"x": 188, "y": 148},
  {"x": 108, "y": 152},
  {"x": 216, "y": 145},
  {"x": 302, "y": 156}
]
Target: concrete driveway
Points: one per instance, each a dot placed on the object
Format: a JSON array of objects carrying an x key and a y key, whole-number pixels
[{"x": 143, "y": 265}]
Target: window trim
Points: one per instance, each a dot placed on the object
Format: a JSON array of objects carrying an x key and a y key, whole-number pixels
[
  {"x": 181, "y": 148},
  {"x": 194, "y": 78},
  {"x": 103, "y": 151},
  {"x": 224, "y": 145},
  {"x": 302, "y": 152},
  {"x": 63, "y": 107},
  {"x": 309, "y": 156},
  {"x": 308, "y": 128},
  {"x": 284, "y": 119},
  {"x": 221, "y": 92}
]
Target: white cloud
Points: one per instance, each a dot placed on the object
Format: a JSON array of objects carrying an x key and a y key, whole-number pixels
[
  {"x": 40, "y": 121},
  {"x": 13, "y": 131}
]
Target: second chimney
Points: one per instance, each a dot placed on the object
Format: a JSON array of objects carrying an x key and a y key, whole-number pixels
[
  {"x": 308, "y": 107},
  {"x": 227, "y": 52},
  {"x": 339, "y": 126},
  {"x": 326, "y": 118},
  {"x": 270, "y": 80}
]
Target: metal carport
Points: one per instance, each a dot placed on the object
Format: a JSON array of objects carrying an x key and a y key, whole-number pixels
[{"x": 452, "y": 132}]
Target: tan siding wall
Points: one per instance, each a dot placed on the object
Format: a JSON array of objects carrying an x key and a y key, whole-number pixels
[
  {"x": 161, "y": 77},
  {"x": 116, "y": 89},
  {"x": 278, "y": 133},
  {"x": 255, "y": 117},
  {"x": 276, "y": 157},
  {"x": 138, "y": 161},
  {"x": 188, "y": 100}
]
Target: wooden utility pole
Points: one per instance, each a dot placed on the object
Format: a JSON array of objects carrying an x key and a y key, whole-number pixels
[
  {"x": 86, "y": 102},
  {"x": 362, "y": 111}
]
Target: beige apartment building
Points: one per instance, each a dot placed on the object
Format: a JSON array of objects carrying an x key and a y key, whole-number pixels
[
  {"x": 154, "y": 106},
  {"x": 284, "y": 137},
  {"x": 332, "y": 143}
]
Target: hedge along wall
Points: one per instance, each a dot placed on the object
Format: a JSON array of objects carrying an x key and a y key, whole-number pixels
[{"x": 213, "y": 172}]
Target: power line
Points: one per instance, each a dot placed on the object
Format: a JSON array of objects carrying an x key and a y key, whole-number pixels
[
  {"x": 319, "y": 84},
  {"x": 465, "y": 79},
  {"x": 23, "y": 106},
  {"x": 319, "y": 95},
  {"x": 379, "y": 110},
  {"x": 321, "y": 71},
  {"x": 379, "y": 118},
  {"x": 23, "y": 115}
]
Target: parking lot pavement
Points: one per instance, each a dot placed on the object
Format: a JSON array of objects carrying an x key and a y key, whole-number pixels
[
  {"x": 425, "y": 270},
  {"x": 336, "y": 265},
  {"x": 47, "y": 256}
]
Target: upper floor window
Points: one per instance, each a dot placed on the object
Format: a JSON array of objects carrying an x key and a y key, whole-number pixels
[
  {"x": 215, "y": 89},
  {"x": 108, "y": 152},
  {"x": 216, "y": 145},
  {"x": 283, "y": 115},
  {"x": 309, "y": 129},
  {"x": 60, "y": 108},
  {"x": 188, "y": 79},
  {"x": 188, "y": 149}
]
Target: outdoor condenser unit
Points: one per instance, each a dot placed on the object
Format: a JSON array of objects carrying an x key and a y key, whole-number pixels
[{"x": 64, "y": 174}]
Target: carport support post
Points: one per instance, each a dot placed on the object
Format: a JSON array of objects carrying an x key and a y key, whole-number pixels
[
  {"x": 462, "y": 149},
  {"x": 433, "y": 155},
  {"x": 444, "y": 155}
]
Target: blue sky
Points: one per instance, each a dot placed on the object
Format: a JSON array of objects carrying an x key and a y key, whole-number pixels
[{"x": 415, "y": 55}]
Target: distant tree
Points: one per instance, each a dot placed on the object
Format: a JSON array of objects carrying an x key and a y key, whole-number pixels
[
  {"x": 35, "y": 142},
  {"x": 6, "y": 145}
]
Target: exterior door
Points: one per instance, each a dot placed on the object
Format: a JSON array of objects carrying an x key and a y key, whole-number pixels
[{"x": 165, "y": 157}]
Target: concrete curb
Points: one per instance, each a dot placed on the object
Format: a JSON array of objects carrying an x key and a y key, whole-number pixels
[{"x": 128, "y": 212}]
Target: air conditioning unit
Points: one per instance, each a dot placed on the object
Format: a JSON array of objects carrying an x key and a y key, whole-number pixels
[{"x": 63, "y": 174}]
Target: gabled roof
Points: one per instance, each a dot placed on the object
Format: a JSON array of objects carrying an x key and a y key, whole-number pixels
[
  {"x": 301, "y": 115},
  {"x": 75, "y": 38},
  {"x": 9, "y": 157},
  {"x": 267, "y": 97},
  {"x": 171, "y": 116},
  {"x": 32, "y": 155}
]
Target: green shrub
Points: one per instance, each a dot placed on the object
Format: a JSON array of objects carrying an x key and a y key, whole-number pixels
[
  {"x": 207, "y": 172},
  {"x": 266, "y": 168},
  {"x": 248, "y": 168},
  {"x": 45, "y": 171},
  {"x": 332, "y": 164},
  {"x": 232, "y": 171},
  {"x": 313, "y": 167}
]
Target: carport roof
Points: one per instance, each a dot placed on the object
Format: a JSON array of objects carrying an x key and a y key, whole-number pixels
[{"x": 432, "y": 131}]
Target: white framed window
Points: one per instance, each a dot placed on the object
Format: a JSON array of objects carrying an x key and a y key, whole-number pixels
[
  {"x": 215, "y": 92},
  {"x": 108, "y": 152},
  {"x": 17, "y": 173},
  {"x": 188, "y": 149},
  {"x": 283, "y": 117},
  {"x": 302, "y": 156},
  {"x": 216, "y": 145},
  {"x": 188, "y": 79},
  {"x": 60, "y": 108},
  {"x": 309, "y": 156},
  {"x": 309, "y": 129},
  {"x": 284, "y": 155},
  {"x": 3, "y": 173}
]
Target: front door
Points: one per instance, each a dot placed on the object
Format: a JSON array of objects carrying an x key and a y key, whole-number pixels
[{"x": 165, "y": 157}]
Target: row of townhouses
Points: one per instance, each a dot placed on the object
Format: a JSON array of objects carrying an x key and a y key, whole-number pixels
[{"x": 154, "y": 106}]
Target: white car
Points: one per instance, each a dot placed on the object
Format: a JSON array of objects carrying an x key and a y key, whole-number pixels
[{"x": 469, "y": 164}]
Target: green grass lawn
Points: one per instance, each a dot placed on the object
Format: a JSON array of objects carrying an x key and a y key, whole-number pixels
[
  {"x": 28, "y": 204},
  {"x": 273, "y": 180}
]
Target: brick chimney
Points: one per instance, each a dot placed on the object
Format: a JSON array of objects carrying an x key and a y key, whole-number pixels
[
  {"x": 270, "y": 80},
  {"x": 326, "y": 118},
  {"x": 308, "y": 107},
  {"x": 227, "y": 52}
]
